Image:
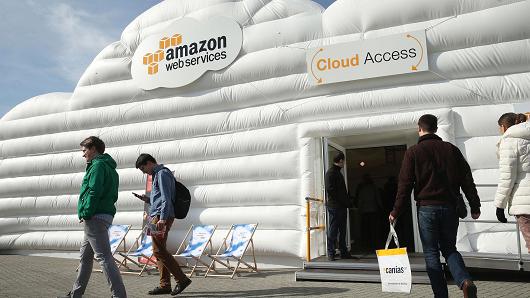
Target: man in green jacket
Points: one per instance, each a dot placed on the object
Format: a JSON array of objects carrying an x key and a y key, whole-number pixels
[{"x": 96, "y": 210}]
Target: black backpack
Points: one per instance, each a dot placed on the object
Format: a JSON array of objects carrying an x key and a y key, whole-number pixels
[{"x": 182, "y": 199}]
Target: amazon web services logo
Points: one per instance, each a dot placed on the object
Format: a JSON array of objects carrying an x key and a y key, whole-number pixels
[
  {"x": 152, "y": 59},
  {"x": 385, "y": 56},
  {"x": 184, "y": 50}
]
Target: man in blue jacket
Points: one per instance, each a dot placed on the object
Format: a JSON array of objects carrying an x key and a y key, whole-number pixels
[{"x": 161, "y": 213}]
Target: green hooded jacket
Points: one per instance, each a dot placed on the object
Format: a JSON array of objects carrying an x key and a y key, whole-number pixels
[{"x": 99, "y": 190}]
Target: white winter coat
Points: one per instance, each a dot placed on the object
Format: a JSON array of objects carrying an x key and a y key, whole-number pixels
[{"x": 514, "y": 170}]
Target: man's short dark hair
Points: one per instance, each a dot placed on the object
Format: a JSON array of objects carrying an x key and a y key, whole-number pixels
[
  {"x": 428, "y": 123},
  {"x": 338, "y": 157},
  {"x": 93, "y": 141},
  {"x": 143, "y": 159}
]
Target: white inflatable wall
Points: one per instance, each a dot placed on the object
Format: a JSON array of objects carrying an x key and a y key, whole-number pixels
[{"x": 243, "y": 138}]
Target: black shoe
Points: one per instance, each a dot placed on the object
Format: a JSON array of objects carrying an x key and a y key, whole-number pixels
[
  {"x": 331, "y": 258},
  {"x": 160, "y": 291},
  {"x": 180, "y": 287},
  {"x": 69, "y": 295},
  {"x": 469, "y": 289}
]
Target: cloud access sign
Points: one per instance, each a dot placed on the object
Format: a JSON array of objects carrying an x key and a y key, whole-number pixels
[{"x": 363, "y": 59}]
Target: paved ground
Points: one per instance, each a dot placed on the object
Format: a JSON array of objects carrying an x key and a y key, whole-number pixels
[{"x": 23, "y": 276}]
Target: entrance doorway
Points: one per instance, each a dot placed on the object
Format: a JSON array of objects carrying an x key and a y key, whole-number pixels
[
  {"x": 371, "y": 171},
  {"x": 372, "y": 181}
]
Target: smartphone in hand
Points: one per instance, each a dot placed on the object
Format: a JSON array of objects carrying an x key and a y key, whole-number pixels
[{"x": 141, "y": 197}]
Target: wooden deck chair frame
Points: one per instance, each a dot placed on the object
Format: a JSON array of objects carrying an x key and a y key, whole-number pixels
[
  {"x": 197, "y": 259},
  {"x": 150, "y": 260},
  {"x": 217, "y": 258},
  {"x": 120, "y": 242}
]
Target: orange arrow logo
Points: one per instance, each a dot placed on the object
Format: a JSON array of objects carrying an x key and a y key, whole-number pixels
[
  {"x": 415, "y": 67},
  {"x": 319, "y": 80}
]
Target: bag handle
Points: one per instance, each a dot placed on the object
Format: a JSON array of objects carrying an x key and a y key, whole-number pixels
[{"x": 392, "y": 234}]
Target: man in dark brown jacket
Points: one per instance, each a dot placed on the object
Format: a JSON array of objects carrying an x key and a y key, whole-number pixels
[{"x": 436, "y": 170}]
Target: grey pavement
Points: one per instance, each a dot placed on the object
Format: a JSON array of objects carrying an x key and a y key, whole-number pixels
[{"x": 30, "y": 276}]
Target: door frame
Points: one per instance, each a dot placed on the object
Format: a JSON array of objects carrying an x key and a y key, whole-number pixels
[
  {"x": 325, "y": 142},
  {"x": 409, "y": 140}
]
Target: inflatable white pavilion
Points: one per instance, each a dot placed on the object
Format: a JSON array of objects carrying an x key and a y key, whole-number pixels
[{"x": 246, "y": 137}]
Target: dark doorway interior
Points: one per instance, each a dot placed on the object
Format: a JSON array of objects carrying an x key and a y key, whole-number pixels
[{"x": 372, "y": 181}]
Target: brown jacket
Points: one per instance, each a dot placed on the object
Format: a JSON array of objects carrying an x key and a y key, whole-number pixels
[{"x": 435, "y": 169}]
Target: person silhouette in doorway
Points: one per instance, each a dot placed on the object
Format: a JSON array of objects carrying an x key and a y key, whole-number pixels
[{"x": 370, "y": 206}]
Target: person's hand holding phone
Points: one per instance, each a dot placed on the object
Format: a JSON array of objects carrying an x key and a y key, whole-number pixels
[{"x": 141, "y": 197}]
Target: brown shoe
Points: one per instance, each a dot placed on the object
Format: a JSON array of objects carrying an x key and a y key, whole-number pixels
[{"x": 469, "y": 289}]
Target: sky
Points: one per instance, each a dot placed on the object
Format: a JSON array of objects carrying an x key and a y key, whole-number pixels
[{"x": 46, "y": 45}]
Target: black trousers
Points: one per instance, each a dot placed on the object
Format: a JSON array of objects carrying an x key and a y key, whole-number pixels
[{"x": 337, "y": 218}]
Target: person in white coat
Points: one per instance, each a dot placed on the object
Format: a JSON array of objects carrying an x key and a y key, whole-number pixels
[{"x": 513, "y": 191}]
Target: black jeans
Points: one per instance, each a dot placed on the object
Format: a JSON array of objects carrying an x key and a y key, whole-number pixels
[{"x": 337, "y": 227}]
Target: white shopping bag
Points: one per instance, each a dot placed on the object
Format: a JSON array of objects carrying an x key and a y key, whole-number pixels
[{"x": 394, "y": 266}]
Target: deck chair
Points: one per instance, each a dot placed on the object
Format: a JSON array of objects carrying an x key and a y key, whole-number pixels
[
  {"x": 236, "y": 243},
  {"x": 197, "y": 240},
  {"x": 117, "y": 235},
  {"x": 144, "y": 250}
]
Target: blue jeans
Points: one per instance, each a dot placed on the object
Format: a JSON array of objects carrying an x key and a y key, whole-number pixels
[
  {"x": 337, "y": 218},
  {"x": 438, "y": 227}
]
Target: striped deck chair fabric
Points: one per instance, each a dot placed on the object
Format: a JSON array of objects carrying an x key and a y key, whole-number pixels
[
  {"x": 117, "y": 235},
  {"x": 197, "y": 240},
  {"x": 237, "y": 241},
  {"x": 144, "y": 250}
]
